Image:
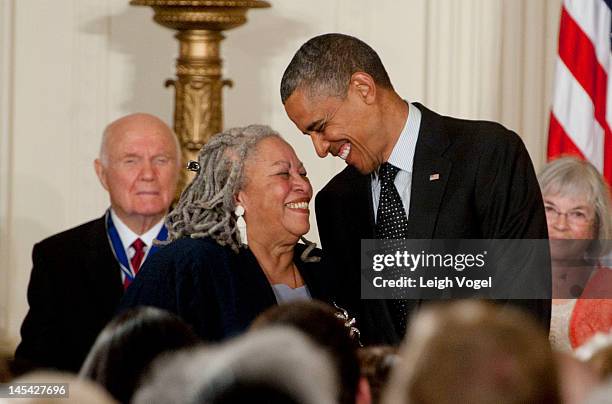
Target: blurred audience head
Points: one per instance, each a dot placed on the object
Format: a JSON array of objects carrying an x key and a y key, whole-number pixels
[
  {"x": 576, "y": 378},
  {"x": 474, "y": 352},
  {"x": 577, "y": 202},
  {"x": 376, "y": 363},
  {"x": 601, "y": 394},
  {"x": 597, "y": 352},
  {"x": 139, "y": 167},
  {"x": 129, "y": 343},
  {"x": 276, "y": 365},
  {"x": 5, "y": 368},
  {"x": 329, "y": 329},
  {"x": 78, "y": 391}
]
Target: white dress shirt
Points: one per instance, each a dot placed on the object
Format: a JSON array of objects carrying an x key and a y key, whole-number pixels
[
  {"x": 127, "y": 237},
  {"x": 402, "y": 157}
]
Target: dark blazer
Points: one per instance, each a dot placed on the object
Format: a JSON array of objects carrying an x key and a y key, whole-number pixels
[
  {"x": 487, "y": 190},
  {"x": 74, "y": 290},
  {"x": 218, "y": 292}
]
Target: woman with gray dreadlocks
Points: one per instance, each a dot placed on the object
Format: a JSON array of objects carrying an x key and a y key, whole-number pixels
[{"x": 206, "y": 273}]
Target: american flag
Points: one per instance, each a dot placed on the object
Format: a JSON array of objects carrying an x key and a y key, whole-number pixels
[{"x": 581, "y": 116}]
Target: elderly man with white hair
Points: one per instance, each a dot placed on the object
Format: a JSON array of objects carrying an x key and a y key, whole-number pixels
[{"x": 79, "y": 275}]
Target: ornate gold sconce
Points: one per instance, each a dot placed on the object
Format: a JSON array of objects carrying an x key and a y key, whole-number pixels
[{"x": 198, "y": 106}]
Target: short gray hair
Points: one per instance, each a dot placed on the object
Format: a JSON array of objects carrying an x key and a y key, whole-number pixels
[
  {"x": 324, "y": 66},
  {"x": 206, "y": 207},
  {"x": 571, "y": 176}
]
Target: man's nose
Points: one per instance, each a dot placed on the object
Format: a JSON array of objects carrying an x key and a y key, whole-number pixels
[
  {"x": 147, "y": 171},
  {"x": 321, "y": 145}
]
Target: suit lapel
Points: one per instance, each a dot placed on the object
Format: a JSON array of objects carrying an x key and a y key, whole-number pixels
[
  {"x": 359, "y": 212},
  {"x": 102, "y": 269},
  {"x": 429, "y": 176},
  {"x": 363, "y": 198}
]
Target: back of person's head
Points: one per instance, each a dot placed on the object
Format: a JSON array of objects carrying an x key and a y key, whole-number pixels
[
  {"x": 601, "y": 394},
  {"x": 276, "y": 365},
  {"x": 322, "y": 323},
  {"x": 74, "y": 390},
  {"x": 5, "y": 369},
  {"x": 576, "y": 378},
  {"x": 324, "y": 66},
  {"x": 571, "y": 177},
  {"x": 129, "y": 343},
  {"x": 597, "y": 352},
  {"x": 376, "y": 364},
  {"x": 474, "y": 352},
  {"x": 601, "y": 362}
]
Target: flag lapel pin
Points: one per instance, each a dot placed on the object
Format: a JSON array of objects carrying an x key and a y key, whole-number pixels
[{"x": 434, "y": 177}]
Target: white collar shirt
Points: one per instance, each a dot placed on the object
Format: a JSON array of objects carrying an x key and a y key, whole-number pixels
[
  {"x": 128, "y": 237},
  {"x": 402, "y": 157}
]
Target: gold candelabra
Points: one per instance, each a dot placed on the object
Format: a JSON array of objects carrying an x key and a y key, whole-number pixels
[{"x": 198, "y": 106}]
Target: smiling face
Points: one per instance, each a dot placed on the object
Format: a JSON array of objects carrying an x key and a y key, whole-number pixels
[
  {"x": 139, "y": 168},
  {"x": 276, "y": 194},
  {"x": 346, "y": 128}
]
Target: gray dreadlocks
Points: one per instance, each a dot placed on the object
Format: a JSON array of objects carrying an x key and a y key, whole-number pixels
[{"x": 206, "y": 207}]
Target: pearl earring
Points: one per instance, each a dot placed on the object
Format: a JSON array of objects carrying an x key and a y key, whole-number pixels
[{"x": 241, "y": 224}]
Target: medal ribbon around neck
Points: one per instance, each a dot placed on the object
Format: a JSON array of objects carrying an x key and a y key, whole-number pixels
[{"x": 117, "y": 246}]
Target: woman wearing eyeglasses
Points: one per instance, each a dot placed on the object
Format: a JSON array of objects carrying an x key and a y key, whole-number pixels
[{"x": 577, "y": 204}]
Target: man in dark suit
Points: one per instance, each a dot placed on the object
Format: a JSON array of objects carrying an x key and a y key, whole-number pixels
[
  {"x": 450, "y": 178},
  {"x": 79, "y": 275}
]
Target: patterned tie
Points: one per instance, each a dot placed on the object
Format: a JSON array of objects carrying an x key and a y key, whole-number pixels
[
  {"x": 391, "y": 220},
  {"x": 392, "y": 223},
  {"x": 136, "y": 259}
]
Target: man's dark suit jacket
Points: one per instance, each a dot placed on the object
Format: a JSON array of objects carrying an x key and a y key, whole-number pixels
[
  {"x": 74, "y": 290},
  {"x": 213, "y": 289},
  {"x": 487, "y": 189}
]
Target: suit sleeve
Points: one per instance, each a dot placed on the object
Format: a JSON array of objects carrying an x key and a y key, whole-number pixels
[
  {"x": 509, "y": 198},
  {"x": 43, "y": 327},
  {"x": 511, "y": 207},
  {"x": 333, "y": 259}
]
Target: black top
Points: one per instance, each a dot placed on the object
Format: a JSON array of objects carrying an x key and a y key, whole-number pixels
[{"x": 218, "y": 292}]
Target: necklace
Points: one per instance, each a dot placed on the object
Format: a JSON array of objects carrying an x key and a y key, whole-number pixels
[{"x": 293, "y": 273}]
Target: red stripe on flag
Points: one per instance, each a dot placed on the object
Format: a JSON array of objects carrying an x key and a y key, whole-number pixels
[
  {"x": 578, "y": 53},
  {"x": 607, "y": 155},
  {"x": 559, "y": 143}
]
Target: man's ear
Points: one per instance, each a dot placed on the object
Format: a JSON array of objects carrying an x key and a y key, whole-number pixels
[
  {"x": 364, "y": 86},
  {"x": 99, "y": 167}
]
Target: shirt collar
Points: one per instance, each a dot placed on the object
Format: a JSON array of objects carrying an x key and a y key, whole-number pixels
[
  {"x": 402, "y": 155},
  {"x": 127, "y": 236}
]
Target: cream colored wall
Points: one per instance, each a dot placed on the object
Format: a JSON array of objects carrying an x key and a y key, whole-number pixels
[{"x": 67, "y": 67}]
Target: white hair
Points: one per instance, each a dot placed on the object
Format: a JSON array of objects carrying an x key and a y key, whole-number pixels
[
  {"x": 279, "y": 357},
  {"x": 569, "y": 176}
]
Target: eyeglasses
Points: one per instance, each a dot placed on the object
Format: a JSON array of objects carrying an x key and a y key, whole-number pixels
[{"x": 574, "y": 218}]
